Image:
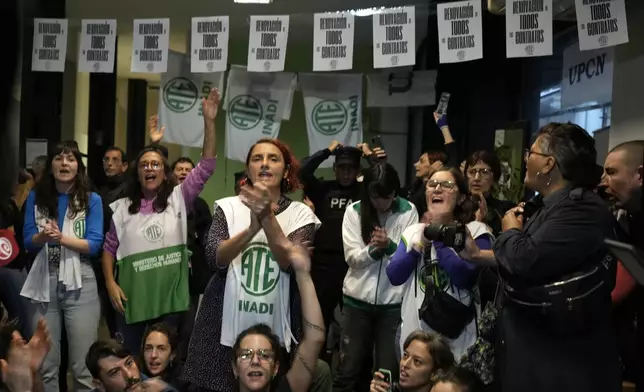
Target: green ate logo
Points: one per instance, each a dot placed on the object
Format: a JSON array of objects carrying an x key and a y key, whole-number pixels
[
  {"x": 153, "y": 232},
  {"x": 260, "y": 273},
  {"x": 180, "y": 95},
  {"x": 329, "y": 117},
  {"x": 79, "y": 227},
  {"x": 245, "y": 112}
]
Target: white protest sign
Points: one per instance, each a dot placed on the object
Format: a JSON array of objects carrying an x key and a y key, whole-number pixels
[
  {"x": 394, "y": 37},
  {"x": 150, "y": 45},
  {"x": 97, "y": 46},
  {"x": 255, "y": 103},
  {"x": 333, "y": 109},
  {"x": 601, "y": 23},
  {"x": 587, "y": 76},
  {"x": 333, "y": 41},
  {"x": 460, "y": 31},
  {"x": 528, "y": 26},
  {"x": 50, "y": 45},
  {"x": 180, "y": 109},
  {"x": 267, "y": 43},
  {"x": 209, "y": 44}
]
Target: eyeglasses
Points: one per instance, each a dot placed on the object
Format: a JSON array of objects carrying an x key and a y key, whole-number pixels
[
  {"x": 447, "y": 185},
  {"x": 150, "y": 165},
  {"x": 527, "y": 152},
  {"x": 484, "y": 172},
  {"x": 246, "y": 355}
]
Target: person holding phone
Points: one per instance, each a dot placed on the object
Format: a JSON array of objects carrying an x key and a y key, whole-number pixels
[{"x": 424, "y": 355}]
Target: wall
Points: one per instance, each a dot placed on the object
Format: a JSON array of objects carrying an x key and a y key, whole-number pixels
[{"x": 627, "y": 121}]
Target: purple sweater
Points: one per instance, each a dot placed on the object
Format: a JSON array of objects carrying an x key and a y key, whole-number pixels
[
  {"x": 461, "y": 272},
  {"x": 191, "y": 188}
]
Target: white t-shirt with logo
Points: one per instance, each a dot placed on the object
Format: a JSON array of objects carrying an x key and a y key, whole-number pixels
[{"x": 257, "y": 290}]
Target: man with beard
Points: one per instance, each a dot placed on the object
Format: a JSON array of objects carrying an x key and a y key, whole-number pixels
[
  {"x": 330, "y": 199},
  {"x": 115, "y": 370},
  {"x": 623, "y": 182}
]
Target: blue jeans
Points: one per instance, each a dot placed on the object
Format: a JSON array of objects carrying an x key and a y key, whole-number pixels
[
  {"x": 18, "y": 307},
  {"x": 80, "y": 310}
]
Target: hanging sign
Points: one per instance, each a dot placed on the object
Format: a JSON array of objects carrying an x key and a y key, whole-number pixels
[
  {"x": 460, "y": 32},
  {"x": 50, "y": 45},
  {"x": 255, "y": 108},
  {"x": 601, "y": 23},
  {"x": 394, "y": 38},
  {"x": 267, "y": 43},
  {"x": 529, "y": 28},
  {"x": 97, "y": 46},
  {"x": 587, "y": 76},
  {"x": 209, "y": 44},
  {"x": 333, "y": 41},
  {"x": 150, "y": 45}
]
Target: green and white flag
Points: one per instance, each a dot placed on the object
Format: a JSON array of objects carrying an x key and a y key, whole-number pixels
[
  {"x": 255, "y": 104},
  {"x": 180, "y": 96},
  {"x": 333, "y": 108}
]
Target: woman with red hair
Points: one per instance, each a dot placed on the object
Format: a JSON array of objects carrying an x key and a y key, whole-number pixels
[{"x": 253, "y": 284}]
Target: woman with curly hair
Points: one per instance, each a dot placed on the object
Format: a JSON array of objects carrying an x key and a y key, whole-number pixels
[{"x": 254, "y": 283}]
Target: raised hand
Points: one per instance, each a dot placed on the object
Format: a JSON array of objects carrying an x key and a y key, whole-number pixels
[
  {"x": 39, "y": 346},
  {"x": 154, "y": 132},
  {"x": 211, "y": 105},
  {"x": 256, "y": 198},
  {"x": 299, "y": 256},
  {"x": 16, "y": 370}
]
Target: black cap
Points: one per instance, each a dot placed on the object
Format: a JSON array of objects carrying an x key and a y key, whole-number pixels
[{"x": 348, "y": 156}]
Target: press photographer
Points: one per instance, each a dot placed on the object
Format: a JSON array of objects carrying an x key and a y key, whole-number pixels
[
  {"x": 568, "y": 331},
  {"x": 439, "y": 286}
]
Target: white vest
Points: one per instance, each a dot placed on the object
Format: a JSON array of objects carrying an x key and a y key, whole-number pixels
[
  {"x": 149, "y": 243},
  {"x": 414, "y": 293},
  {"x": 36, "y": 285},
  {"x": 257, "y": 290}
]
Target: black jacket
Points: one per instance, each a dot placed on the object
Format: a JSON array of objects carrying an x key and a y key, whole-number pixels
[{"x": 199, "y": 221}]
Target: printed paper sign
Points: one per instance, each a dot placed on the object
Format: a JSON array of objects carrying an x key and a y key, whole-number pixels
[
  {"x": 601, "y": 23},
  {"x": 333, "y": 41},
  {"x": 529, "y": 28},
  {"x": 97, "y": 46},
  {"x": 150, "y": 45},
  {"x": 394, "y": 38},
  {"x": 50, "y": 45},
  {"x": 460, "y": 32},
  {"x": 209, "y": 44},
  {"x": 267, "y": 43}
]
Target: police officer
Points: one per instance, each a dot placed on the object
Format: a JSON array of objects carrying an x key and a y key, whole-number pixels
[{"x": 330, "y": 199}]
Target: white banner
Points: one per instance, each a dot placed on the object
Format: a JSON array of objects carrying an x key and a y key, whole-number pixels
[
  {"x": 267, "y": 43},
  {"x": 333, "y": 110},
  {"x": 460, "y": 31},
  {"x": 601, "y": 23},
  {"x": 255, "y": 103},
  {"x": 50, "y": 45},
  {"x": 180, "y": 109},
  {"x": 150, "y": 42},
  {"x": 97, "y": 46},
  {"x": 587, "y": 76},
  {"x": 333, "y": 41},
  {"x": 401, "y": 89},
  {"x": 209, "y": 44},
  {"x": 529, "y": 28},
  {"x": 394, "y": 37}
]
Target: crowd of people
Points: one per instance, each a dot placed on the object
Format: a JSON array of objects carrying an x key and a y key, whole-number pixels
[{"x": 364, "y": 285}]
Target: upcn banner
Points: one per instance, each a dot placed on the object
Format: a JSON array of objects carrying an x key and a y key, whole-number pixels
[
  {"x": 333, "y": 109},
  {"x": 587, "y": 76}
]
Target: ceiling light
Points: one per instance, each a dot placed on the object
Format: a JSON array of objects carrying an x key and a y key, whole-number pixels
[
  {"x": 367, "y": 11},
  {"x": 254, "y": 1}
]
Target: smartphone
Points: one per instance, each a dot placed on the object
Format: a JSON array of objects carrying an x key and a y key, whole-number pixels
[
  {"x": 441, "y": 109},
  {"x": 387, "y": 374},
  {"x": 376, "y": 141}
]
